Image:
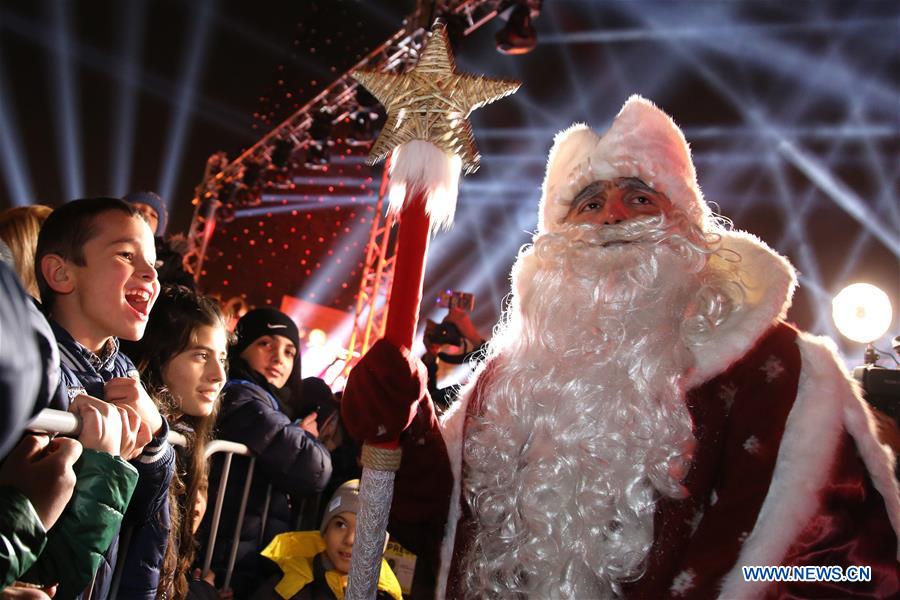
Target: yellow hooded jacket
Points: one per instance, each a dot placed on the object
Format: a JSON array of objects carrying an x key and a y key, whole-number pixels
[{"x": 294, "y": 552}]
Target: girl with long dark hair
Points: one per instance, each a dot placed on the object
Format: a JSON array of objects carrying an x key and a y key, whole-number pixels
[{"x": 182, "y": 359}]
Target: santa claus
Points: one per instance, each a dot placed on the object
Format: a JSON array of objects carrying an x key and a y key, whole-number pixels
[{"x": 645, "y": 424}]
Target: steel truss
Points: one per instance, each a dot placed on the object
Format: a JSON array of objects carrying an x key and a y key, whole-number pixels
[{"x": 221, "y": 178}]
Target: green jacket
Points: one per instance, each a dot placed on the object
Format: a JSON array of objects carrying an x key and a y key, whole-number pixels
[
  {"x": 22, "y": 534},
  {"x": 88, "y": 525}
]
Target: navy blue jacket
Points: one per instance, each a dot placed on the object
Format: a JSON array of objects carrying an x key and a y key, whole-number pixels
[
  {"x": 148, "y": 511},
  {"x": 289, "y": 458}
]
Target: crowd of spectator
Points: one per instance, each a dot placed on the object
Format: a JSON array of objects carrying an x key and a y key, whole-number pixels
[{"x": 99, "y": 318}]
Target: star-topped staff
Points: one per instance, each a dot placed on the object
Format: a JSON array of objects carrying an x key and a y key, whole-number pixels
[
  {"x": 433, "y": 102},
  {"x": 427, "y": 129},
  {"x": 428, "y": 132}
]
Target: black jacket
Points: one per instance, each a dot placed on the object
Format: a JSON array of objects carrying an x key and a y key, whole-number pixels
[{"x": 289, "y": 458}]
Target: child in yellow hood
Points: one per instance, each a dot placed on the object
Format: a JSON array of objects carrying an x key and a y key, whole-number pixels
[{"x": 315, "y": 564}]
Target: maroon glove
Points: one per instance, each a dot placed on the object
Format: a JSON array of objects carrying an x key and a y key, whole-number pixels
[
  {"x": 386, "y": 396},
  {"x": 383, "y": 393}
]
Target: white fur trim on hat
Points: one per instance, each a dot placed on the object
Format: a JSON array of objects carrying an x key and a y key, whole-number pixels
[{"x": 642, "y": 142}]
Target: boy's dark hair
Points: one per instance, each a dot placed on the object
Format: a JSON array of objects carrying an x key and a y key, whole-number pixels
[{"x": 67, "y": 230}]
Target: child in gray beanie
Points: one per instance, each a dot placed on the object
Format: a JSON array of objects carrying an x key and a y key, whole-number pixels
[{"x": 315, "y": 564}]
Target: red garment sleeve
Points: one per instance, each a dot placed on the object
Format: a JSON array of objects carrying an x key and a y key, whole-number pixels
[{"x": 851, "y": 529}]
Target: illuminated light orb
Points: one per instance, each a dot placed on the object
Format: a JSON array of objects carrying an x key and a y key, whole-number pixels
[
  {"x": 316, "y": 339},
  {"x": 861, "y": 312}
]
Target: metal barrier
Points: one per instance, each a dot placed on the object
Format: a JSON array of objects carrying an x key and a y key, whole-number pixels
[
  {"x": 65, "y": 423},
  {"x": 230, "y": 449}
]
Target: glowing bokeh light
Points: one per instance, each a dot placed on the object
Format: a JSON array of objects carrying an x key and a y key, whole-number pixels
[
  {"x": 316, "y": 339},
  {"x": 862, "y": 312}
]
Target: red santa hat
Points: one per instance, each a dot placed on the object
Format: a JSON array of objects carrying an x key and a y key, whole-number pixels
[{"x": 642, "y": 142}]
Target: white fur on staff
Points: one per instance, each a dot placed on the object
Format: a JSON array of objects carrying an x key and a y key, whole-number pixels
[{"x": 421, "y": 166}]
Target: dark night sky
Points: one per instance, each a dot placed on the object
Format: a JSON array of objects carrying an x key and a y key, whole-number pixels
[{"x": 248, "y": 47}]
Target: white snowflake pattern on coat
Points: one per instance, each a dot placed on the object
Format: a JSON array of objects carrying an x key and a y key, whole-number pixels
[
  {"x": 773, "y": 368},
  {"x": 695, "y": 520},
  {"x": 682, "y": 583},
  {"x": 752, "y": 445},
  {"x": 727, "y": 392}
]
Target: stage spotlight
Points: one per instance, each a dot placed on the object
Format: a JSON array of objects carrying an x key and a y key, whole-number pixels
[
  {"x": 365, "y": 121},
  {"x": 12, "y": 155},
  {"x": 191, "y": 71},
  {"x": 252, "y": 172},
  {"x": 131, "y": 29},
  {"x": 365, "y": 100},
  {"x": 317, "y": 151},
  {"x": 214, "y": 165},
  {"x": 320, "y": 128},
  {"x": 67, "y": 93},
  {"x": 226, "y": 192},
  {"x": 317, "y": 157},
  {"x": 862, "y": 313},
  {"x": 281, "y": 153},
  {"x": 363, "y": 128},
  {"x": 518, "y": 36}
]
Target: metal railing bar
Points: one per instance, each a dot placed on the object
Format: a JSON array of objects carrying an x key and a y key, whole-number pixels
[
  {"x": 235, "y": 542},
  {"x": 227, "y": 446},
  {"x": 65, "y": 423},
  {"x": 217, "y": 514}
]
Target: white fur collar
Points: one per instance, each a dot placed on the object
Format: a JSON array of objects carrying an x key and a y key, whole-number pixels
[
  {"x": 452, "y": 429},
  {"x": 769, "y": 280}
]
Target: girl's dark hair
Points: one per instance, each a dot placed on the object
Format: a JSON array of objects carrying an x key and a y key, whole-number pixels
[{"x": 175, "y": 318}]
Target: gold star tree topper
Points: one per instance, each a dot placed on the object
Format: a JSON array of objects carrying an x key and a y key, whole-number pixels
[{"x": 432, "y": 102}]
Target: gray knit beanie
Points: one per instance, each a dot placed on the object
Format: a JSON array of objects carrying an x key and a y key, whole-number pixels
[{"x": 344, "y": 499}]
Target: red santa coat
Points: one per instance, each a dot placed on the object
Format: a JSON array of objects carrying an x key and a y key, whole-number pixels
[{"x": 787, "y": 471}]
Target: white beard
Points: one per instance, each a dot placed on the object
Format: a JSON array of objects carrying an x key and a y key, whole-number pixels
[{"x": 583, "y": 420}]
